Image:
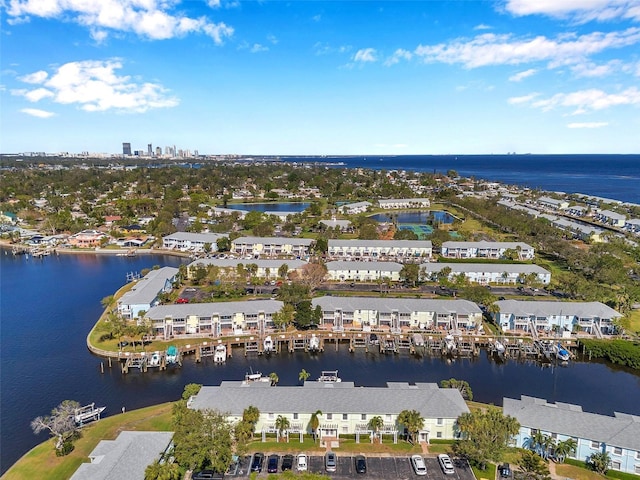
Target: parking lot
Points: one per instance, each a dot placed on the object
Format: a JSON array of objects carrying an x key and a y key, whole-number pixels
[{"x": 378, "y": 467}]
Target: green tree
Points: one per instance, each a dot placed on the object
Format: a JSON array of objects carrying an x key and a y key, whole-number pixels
[
  {"x": 303, "y": 376},
  {"x": 461, "y": 385},
  {"x": 284, "y": 317},
  {"x": 273, "y": 376},
  {"x": 485, "y": 435},
  {"x": 412, "y": 421},
  {"x": 282, "y": 424},
  {"x": 564, "y": 449},
  {"x": 375, "y": 424},
  {"x": 410, "y": 273},
  {"x": 223, "y": 244},
  {"x": 532, "y": 467},
  {"x": 162, "y": 471},
  {"x": 314, "y": 423},
  {"x": 190, "y": 390},
  {"x": 283, "y": 270},
  {"x": 600, "y": 462},
  {"x": 404, "y": 234}
]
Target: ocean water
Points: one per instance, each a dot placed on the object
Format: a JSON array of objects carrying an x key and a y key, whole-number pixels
[
  {"x": 609, "y": 176},
  {"x": 48, "y": 306}
]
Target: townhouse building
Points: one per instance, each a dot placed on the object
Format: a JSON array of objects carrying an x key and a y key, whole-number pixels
[
  {"x": 192, "y": 242},
  {"x": 341, "y": 271},
  {"x": 553, "y": 203},
  {"x": 594, "y": 318},
  {"x": 354, "y": 208},
  {"x": 220, "y": 318},
  {"x": 396, "y": 314},
  {"x": 264, "y": 268},
  {"x": 485, "y": 249},
  {"x": 346, "y": 408},
  {"x": 611, "y": 218},
  {"x": 272, "y": 246},
  {"x": 400, "y": 203},
  {"x": 386, "y": 250},
  {"x": 617, "y": 435},
  {"x": 145, "y": 292},
  {"x": 487, "y": 273}
]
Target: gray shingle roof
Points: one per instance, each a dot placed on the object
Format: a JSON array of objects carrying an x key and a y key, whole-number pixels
[
  {"x": 375, "y": 266},
  {"x": 408, "y": 305},
  {"x": 548, "y": 308},
  {"x": 343, "y": 397},
  {"x": 485, "y": 244},
  {"x": 147, "y": 288},
  {"x": 273, "y": 241},
  {"x": 233, "y": 262},
  {"x": 124, "y": 458},
  {"x": 485, "y": 267},
  {"x": 622, "y": 430},
  {"x": 220, "y": 308}
]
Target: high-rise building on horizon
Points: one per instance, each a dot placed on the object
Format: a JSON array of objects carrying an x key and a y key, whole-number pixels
[
  {"x": 126, "y": 149},
  {"x": 150, "y": 150}
]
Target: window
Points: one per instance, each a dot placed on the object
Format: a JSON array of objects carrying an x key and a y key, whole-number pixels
[
  {"x": 595, "y": 444},
  {"x": 345, "y": 429},
  {"x": 345, "y": 416},
  {"x": 270, "y": 416},
  {"x": 295, "y": 416},
  {"x": 329, "y": 416},
  {"x": 616, "y": 465},
  {"x": 617, "y": 451},
  {"x": 438, "y": 434},
  {"x": 388, "y": 418},
  {"x": 363, "y": 416},
  {"x": 637, "y": 455},
  {"x": 439, "y": 421}
]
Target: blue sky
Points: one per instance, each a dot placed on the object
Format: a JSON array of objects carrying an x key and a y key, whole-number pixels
[{"x": 321, "y": 77}]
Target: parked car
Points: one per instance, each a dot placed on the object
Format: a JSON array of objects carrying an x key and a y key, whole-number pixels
[
  {"x": 446, "y": 464},
  {"x": 330, "y": 462},
  {"x": 207, "y": 475},
  {"x": 272, "y": 463},
  {"x": 505, "y": 470},
  {"x": 256, "y": 463},
  {"x": 302, "y": 463},
  {"x": 287, "y": 462},
  {"x": 361, "y": 464},
  {"x": 417, "y": 462},
  {"x": 182, "y": 300}
]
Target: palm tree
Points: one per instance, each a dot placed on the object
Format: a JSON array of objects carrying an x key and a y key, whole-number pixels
[
  {"x": 282, "y": 424},
  {"x": 535, "y": 441},
  {"x": 412, "y": 421},
  {"x": 600, "y": 462},
  {"x": 314, "y": 423},
  {"x": 303, "y": 375},
  {"x": 565, "y": 449},
  {"x": 273, "y": 376},
  {"x": 547, "y": 443},
  {"x": 375, "y": 424}
]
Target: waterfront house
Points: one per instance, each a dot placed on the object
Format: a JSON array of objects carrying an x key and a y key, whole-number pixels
[
  {"x": 395, "y": 314},
  {"x": 192, "y": 242},
  {"x": 126, "y": 457},
  {"x": 346, "y": 409},
  {"x": 220, "y": 212},
  {"x": 553, "y": 203},
  {"x": 633, "y": 225},
  {"x": 343, "y": 225},
  {"x": 404, "y": 203},
  {"x": 488, "y": 273},
  {"x": 354, "y": 208},
  {"x": 398, "y": 250},
  {"x": 594, "y": 318},
  {"x": 485, "y": 249},
  {"x": 611, "y": 218},
  {"x": 219, "y": 318},
  {"x": 617, "y": 435},
  {"x": 577, "y": 211},
  {"x": 271, "y": 246},
  {"x": 363, "y": 271},
  {"x": 145, "y": 292},
  {"x": 87, "y": 239},
  {"x": 582, "y": 231},
  {"x": 265, "y": 268}
]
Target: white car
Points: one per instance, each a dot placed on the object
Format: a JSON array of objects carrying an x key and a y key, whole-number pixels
[
  {"x": 417, "y": 462},
  {"x": 446, "y": 464},
  {"x": 302, "y": 463}
]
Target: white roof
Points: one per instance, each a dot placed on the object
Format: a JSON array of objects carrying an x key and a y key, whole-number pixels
[
  {"x": 148, "y": 287},
  {"x": 549, "y": 308}
]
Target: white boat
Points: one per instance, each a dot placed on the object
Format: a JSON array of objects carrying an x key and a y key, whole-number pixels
[
  {"x": 154, "y": 360},
  {"x": 255, "y": 377},
  {"x": 499, "y": 348},
  {"x": 449, "y": 343},
  {"x": 172, "y": 355},
  {"x": 561, "y": 352},
  {"x": 418, "y": 341},
  {"x": 88, "y": 413},
  {"x": 220, "y": 354},
  {"x": 267, "y": 345},
  {"x": 329, "y": 376},
  {"x": 314, "y": 343}
]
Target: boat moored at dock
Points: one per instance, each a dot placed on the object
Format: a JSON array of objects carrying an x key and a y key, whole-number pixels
[{"x": 220, "y": 354}]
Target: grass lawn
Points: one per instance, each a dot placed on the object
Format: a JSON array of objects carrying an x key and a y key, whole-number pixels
[
  {"x": 488, "y": 474},
  {"x": 41, "y": 461},
  {"x": 576, "y": 473}
]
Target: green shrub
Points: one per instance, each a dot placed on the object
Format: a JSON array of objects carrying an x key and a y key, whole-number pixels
[
  {"x": 620, "y": 352},
  {"x": 66, "y": 449}
]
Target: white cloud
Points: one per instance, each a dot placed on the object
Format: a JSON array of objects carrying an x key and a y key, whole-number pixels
[
  {"x": 582, "y": 101},
  {"x": 482, "y": 26},
  {"x": 151, "y": 19},
  {"x": 95, "y": 86},
  {"x": 35, "y": 77},
  {"x": 590, "y": 69},
  {"x": 34, "y": 112},
  {"x": 365, "y": 55},
  {"x": 522, "y": 75},
  {"x": 491, "y": 49},
  {"x": 578, "y": 10},
  {"x": 399, "y": 54},
  {"x": 316, "y": 18},
  {"x": 523, "y": 99},
  {"x": 256, "y": 48},
  {"x": 587, "y": 125},
  {"x": 273, "y": 39}
]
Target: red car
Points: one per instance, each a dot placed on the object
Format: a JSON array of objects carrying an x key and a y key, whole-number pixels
[{"x": 182, "y": 300}]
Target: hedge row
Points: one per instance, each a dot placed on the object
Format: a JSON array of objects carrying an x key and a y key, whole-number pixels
[{"x": 620, "y": 352}]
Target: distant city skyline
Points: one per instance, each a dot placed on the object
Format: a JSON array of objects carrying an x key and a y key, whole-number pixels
[{"x": 321, "y": 78}]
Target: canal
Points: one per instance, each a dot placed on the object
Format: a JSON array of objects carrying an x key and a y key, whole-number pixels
[{"x": 48, "y": 306}]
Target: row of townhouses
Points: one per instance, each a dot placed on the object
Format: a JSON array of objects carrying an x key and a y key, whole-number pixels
[
  {"x": 264, "y": 268},
  {"x": 485, "y": 249}
]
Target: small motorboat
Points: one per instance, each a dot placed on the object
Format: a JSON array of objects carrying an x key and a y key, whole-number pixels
[
  {"x": 449, "y": 344},
  {"x": 267, "y": 345},
  {"x": 329, "y": 376},
  {"x": 172, "y": 355},
  {"x": 499, "y": 348},
  {"x": 314, "y": 343},
  {"x": 561, "y": 352},
  {"x": 220, "y": 354},
  {"x": 154, "y": 359}
]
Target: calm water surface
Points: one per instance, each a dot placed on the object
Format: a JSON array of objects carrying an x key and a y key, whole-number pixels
[{"x": 48, "y": 306}]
